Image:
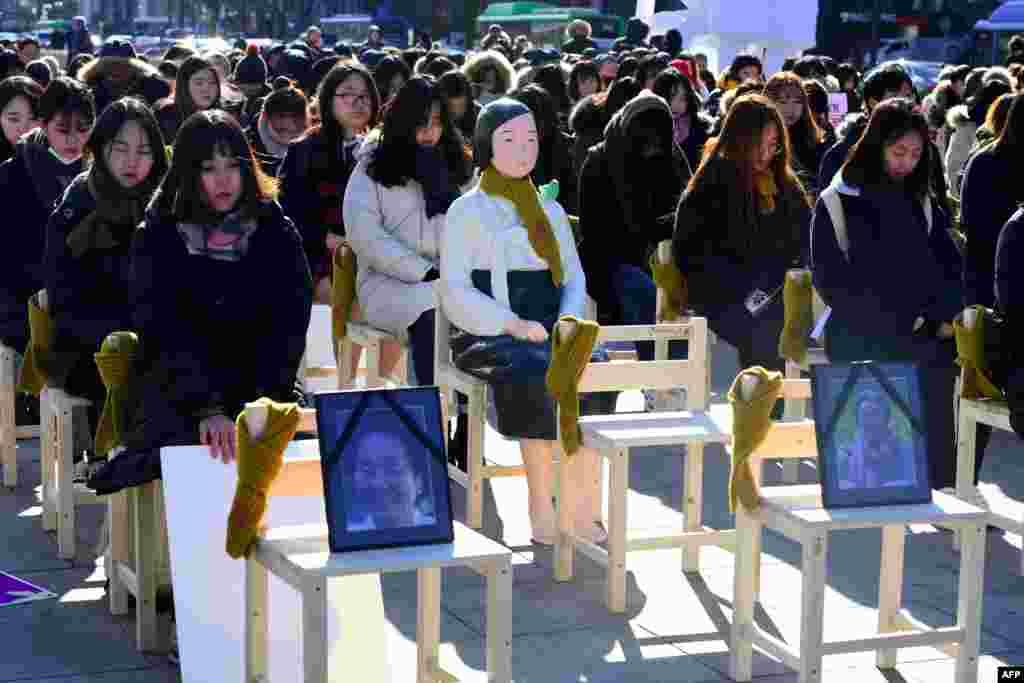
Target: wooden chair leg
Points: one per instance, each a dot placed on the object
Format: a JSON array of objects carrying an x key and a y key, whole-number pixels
[
  {"x": 748, "y": 558},
  {"x": 617, "y": 528},
  {"x": 890, "y": 588},
  {"x": 8, "y": 419},
  {"x": 343, "y": 361},
  {"x": 64, "y": 448},
  {"x": 693, "y": 503},
  {"x": 565, "y": 545},
  {"x": 966, "y": 440},
  {"x": 792, "y": 410},
  {"x": 373, "y": 376},
  {"x": 146, "y": 559},
  {"x": 47, "y": 459},
  {"x": 475, "y": 456},
  {"x": 118, "y": 552}
]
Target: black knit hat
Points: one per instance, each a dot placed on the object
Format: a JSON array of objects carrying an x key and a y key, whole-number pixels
[
  {"x": 251, "y": 68},
  {"x": 492, "y": 117},
  {"x": 115, "y": 47}
]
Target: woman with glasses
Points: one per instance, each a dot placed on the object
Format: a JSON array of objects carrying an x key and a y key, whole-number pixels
[
  {"x": 44, "y": 164},
  {"x": 197, "y": 88},
  {"x": 395, "y": 204},
  {"x": 316, "y": 168},
  {"x": 742, "y": 223}
]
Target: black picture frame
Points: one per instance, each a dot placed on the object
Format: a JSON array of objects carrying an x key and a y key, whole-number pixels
[
  {"x": 872, "y": 446},
  {"x": 385, "y": 471}
]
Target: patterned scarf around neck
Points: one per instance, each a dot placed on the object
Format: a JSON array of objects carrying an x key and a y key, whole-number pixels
[
  {"x": 197, "y": 237},
  {"x": 523, "y": 195}
]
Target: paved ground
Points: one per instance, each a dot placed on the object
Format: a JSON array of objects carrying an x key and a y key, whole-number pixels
[{"x": 673, "y": 629}]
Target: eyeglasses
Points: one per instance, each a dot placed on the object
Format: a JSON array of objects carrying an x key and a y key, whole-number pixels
[{"x": 351, "y": 98}]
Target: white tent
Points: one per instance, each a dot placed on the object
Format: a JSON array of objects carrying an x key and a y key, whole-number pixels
[{"x": 772, "y": 29}]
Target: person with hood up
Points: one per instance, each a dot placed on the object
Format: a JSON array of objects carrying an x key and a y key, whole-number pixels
[
  {"x": 636, "y": 36},
  {"x": 45, "y": 162},
  {"x": 742, "y": 223},
  {"x": 578, "y": 32},
  {"x": 622, "y": 221},
  {"x": 197, "y": 89},
  {"x": 882, "y": 84},
  {"x": 205, "y": 346},
  {"x": 283, "y": 120},
  {"x": 881, "y": 311},
  {"x": 690, "y": 127},
  {"x": 395, "y": 204},
  {"x": 965, "y": 120},
  {"x": 786, "y": 90},
  {"x": 78, "y": 41},
  {"x": 88, "y": 243},
  {"x": 491, "y": 74},
  {"x": 19, "y": 106},
  {"x": 118, "y": 72}
]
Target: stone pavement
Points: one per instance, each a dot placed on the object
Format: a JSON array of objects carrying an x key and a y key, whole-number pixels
[{"x": 674, "y": 628}]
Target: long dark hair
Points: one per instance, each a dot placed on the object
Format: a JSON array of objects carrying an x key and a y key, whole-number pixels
[
  {"x": 668, "y": 82},
  {"x": 890, "y": 120},
  {"x": 1010, "y": 142},
  {"x": 113, "y": 118},
  {"x": 10, "y": 88},
  {"x": 392, "y": 161},
  {"x": 553, "y": 150},
  {"x": 581, "y": 71},
  {"x": 202, "y": 136},
  {"x": 386, "y": 70},
  {"x": 329, "y": 130},
  {"x": 551, "y": 79},
  {"x": 182, "y": 97},
  {"x": 740, "y": 142}
]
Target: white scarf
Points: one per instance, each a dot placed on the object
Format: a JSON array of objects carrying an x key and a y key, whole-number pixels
[{"x": 269, "y": 143}]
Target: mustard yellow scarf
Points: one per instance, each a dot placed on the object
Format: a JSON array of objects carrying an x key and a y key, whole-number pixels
[
  {"x": 569, "y": 357},
  {"x": 767, "y": 190},
  {"x": 751, "y": 421},
  {"x": 114, "y": 362},
  {"x": 672, "y": 284},
  {"x": 970, "y": 351},
  {"x": 343, "y": 290},
  {"x": 259, "y": 463},
  {"x": 798, "y": 302},
  {"x": 33, "y": 370},
  {"x": 523, "y": 195}
]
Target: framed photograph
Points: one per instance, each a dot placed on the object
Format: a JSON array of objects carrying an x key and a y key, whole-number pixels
[
  {"x": 384, "y": 466},
  {"x": 872, "y": 448}
]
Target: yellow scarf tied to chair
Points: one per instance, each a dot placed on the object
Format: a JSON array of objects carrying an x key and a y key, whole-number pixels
[
  {"x": 343, "y": 290},
  {"x": 669, "y": 279},
  {"x": 259, "y": 463},
  {"x": 33, "y": 375},
  {"x": 524, "y": 196},
  {"x": 569, "y": 357},
  {"x": 114, "y": 361},
  {"x": 751, "y": 421},
  {"x": 798, "y": 300},
  {"x": 970, "y": 351}
]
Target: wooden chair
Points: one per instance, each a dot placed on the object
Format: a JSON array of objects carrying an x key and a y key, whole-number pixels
[
  {"x": 454, "y": 382},
  {"x": 1004, "y": 513},
  {"x": 372, "y": 341},
  {"x": 613, "y": 436},
  {"x": 320, "y": 369},
  {"x": 10, "y": 433}
]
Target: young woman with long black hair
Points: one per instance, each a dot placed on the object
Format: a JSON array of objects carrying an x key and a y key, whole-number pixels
[
  {"x": 806, "y": 140},
  {"x": 197, "y": 88},
  {"x": 690, "y": 127},
  {"x": 395, "y": 205},
  {"x": 283, "y": 120},
  {"x": 19, "y": 102}
]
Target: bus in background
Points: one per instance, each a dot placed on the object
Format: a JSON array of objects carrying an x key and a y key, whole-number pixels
[
  {"x": 992, "y": 35},
  {"x": 545, "y": 24}
]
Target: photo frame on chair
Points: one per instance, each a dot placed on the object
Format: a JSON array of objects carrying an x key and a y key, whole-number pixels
[
  {"x": 872, "y": 446},
  {"x": 385, "y": 471}
]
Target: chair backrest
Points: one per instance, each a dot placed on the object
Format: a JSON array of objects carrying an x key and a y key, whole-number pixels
[
  {"x": 691, "y": 373},
  {"x": 442, "y": 340},
  {"x": 788, "y": 440}
]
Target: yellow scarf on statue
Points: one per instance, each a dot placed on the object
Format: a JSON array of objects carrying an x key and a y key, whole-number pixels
[
  {"x": 569, "y": 357},
  {"x": 751, "y": 421},
  {"x": 114, "y": 362},
  {"x": 523, "y": 195},
  {"x": 259, "y": 463},
  {"x": 343, "y": 290},
  {"x": 766, "y": 190}
]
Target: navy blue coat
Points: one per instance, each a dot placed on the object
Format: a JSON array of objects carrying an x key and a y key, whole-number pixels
[
  {"x": 1009, "y": 286},
  {"x": 215, "y": 334},
  {"x": 25, "y": 217},
  {"x": 989, "y": 198},
  {"x": 90, "y": 296},
  {"x": 895, "y": 271}
]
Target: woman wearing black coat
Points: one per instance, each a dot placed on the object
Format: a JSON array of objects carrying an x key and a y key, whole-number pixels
[
  {"x": 555, "y": 160},
  {"x": 88, "y": 243},
  {"x": 690, "y": 127},
  {"x": 197, "y": 88},
  {"x": 234, "y": 328},
  {"x": 741, "y": 224},
  {"x": 44, "y": 164},
  {"x": 892, "y": 277},
  {"x": 1009, "y": 289},
  {"x": 282, "y": 120}
]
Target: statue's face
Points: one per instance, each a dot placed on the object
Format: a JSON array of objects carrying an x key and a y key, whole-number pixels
[{"x": 516, "y": 146}]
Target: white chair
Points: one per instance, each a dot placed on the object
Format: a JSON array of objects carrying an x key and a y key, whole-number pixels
[
  {"x": 613, "y": 436},
  {"x": 10, "y": 434},
  {"x": 372, "y": 340},
  {"x": 1004, "y": 513}
]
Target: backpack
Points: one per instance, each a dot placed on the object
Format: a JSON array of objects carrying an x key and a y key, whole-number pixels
[{"x": 834, "y": 206}]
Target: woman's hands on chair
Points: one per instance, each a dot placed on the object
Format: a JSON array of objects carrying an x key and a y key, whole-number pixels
[
  {"x": 218, "y": 432},
  {"x": 527, "y": 330}
]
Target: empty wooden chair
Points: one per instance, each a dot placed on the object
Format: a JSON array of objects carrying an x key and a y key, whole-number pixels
[{"x": 10, "y": 433}]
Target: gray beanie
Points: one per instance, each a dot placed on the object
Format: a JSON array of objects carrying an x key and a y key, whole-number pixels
[{"x": 492, "y": 117}]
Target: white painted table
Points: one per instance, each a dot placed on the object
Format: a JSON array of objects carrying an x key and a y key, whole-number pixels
[
  {"x": 299, "y": 556},
  {"x": 796, "y": 512}
]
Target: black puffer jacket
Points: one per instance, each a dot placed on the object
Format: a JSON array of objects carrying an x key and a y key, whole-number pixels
[
  {"x": 587, "y": 123},
  {"x": 111, "y": 78}
]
